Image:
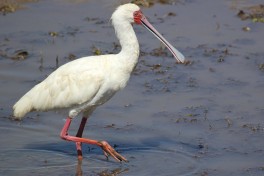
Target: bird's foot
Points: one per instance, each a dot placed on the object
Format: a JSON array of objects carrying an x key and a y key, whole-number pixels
[
  {"x": 79, "y": 150},
  {"x": 109, "y": 151}
]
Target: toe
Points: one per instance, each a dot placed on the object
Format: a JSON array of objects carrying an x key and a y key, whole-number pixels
[{"x": 108, "y": 150}]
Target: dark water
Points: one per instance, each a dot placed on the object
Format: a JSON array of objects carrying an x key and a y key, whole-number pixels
[{"x": 205, "y": 118}]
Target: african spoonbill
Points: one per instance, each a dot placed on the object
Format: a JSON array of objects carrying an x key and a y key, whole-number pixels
[{"x": 83, "y": 84}]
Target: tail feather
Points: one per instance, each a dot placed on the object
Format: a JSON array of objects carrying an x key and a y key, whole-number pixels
[{"x": 22, "y": 107}]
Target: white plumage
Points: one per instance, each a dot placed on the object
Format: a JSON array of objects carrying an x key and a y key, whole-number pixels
[
  {"x": 83, "y": 84},
  {"x": 77, "y": 85},
  {"x": 88, "y": 81}
]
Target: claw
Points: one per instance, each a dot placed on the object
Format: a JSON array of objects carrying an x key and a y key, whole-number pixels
[
  {"x": 109, "y": 151},
  {"x": 105, "y": 154}
]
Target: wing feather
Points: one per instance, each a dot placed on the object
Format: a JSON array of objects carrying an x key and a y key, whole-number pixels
[{"x": 72, "y": 84}]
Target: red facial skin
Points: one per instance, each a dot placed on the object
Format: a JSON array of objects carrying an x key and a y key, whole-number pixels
[{"x": 137, "y": 17}]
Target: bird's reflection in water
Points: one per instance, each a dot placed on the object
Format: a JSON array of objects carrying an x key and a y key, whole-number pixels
[
  {"x": 109, "y": 172},
  {"x": 105, "y": 172},
  {"x": 79, "y": 168}
]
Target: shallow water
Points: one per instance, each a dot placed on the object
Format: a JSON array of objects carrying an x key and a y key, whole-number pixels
[{"x": 205, "y": 118}]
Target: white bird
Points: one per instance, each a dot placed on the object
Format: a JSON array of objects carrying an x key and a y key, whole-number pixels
[{"x": 83, "y": 84}]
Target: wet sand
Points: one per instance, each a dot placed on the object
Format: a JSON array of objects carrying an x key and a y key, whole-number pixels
[{"x": 203, "y": 118}]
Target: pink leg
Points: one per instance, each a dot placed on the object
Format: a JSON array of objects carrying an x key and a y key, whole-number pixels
[
  {"x": 108, "y": 150},
  {"x": 79, "y": 134}
]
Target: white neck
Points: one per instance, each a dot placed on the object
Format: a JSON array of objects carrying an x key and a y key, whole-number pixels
[{"x": 128, "y": 41}]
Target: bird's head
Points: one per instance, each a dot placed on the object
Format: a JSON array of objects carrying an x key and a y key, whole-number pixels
[
  {"x": 126, "y": 12},
  {"x": 131, "y": 13}
]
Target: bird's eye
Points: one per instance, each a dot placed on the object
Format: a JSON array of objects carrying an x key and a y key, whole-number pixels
[{"x": 137, "y": 17}]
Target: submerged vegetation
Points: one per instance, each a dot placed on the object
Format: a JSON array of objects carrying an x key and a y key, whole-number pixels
[
  {"x": 149, "y": 3},
  {"x": 10, "y": 6},
  {"x": 254, "y": 13}
]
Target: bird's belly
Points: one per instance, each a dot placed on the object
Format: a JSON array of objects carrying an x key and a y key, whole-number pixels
[
  {"x": 105, "y": 97},
  {"x": 90, "y": 106},
  {"x": 105, "y": 92}
]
